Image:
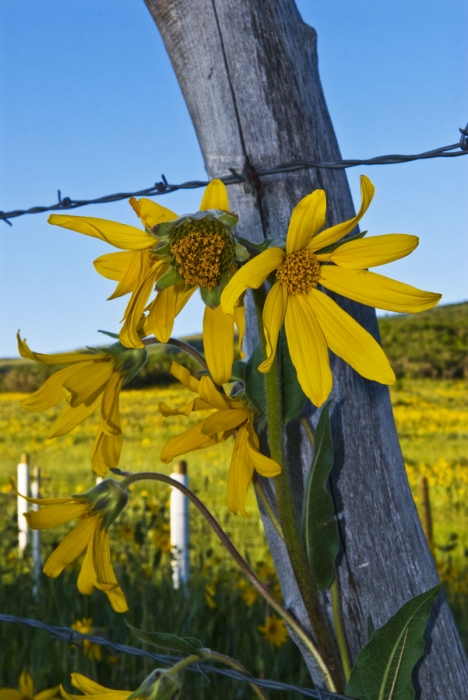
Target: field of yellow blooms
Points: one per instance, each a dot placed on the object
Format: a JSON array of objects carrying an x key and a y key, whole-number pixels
[{"x": 432, "y": 422}]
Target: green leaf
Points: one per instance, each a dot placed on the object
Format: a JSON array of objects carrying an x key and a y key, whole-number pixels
[
  {"x": 238, "y": 371},
  {"x": 384, "y": 666},
  {"x": 211, "y": 297},
  {"x": 255, "y": 381},
  {"x": 186, "y": 645},
  {"x": 292, "y": 396},
  {"x": 334, "y": 246},
  {"x": 319, "y": 524}
]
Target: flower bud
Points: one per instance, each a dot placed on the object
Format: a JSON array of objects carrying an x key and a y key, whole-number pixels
[{"x": 160, "y": 685}]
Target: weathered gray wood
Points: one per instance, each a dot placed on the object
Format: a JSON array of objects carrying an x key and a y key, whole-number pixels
[{"x": 249, "y": 73}]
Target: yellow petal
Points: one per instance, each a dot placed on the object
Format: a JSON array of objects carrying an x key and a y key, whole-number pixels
[
  {"x": 307, "y": 218},
  {"x": 72, "y": 546},
  {"x": 47, "y": 501},
  {"x": 113, "y": 266},
  {"x": 226, "y": 419},
  {"x": 183, "y": 375},
  {"x": 51, "y": 516},
  {"x": 110, "y": 404},
  {"x": 128, "y": 336},
  {"x": 135, "y": 273},
  {"x": 239, "y": 319},
  {"x": 87, "y": 686},
  {"x": 334, "y": 233},
  {"x": 240, "y": 473},
  {"x": 218, "y": 343},
  {"x": 60, "y": 358},
  {"x": 106, "y": 580},
  {"x": 106, "y": 451},
  {"x": 376, "y": 290},
  {"x": 308, "y": 349},
  {"x": 215, "y": 196},
  {"x": 251, "y": 276},
  {"x": 273, "y": 317},
  {"x": 192, "y": 439},
  {"x": 376, "y": 250},
  {"x": 118, "y": 235},
  {"x": 10, "y": 694},
  {"x": 160, "y": 321},
  {"x": 87, "y": 575},
  {"x": 150, "y": 212},
  {"x": 50, "y": 393},
  {"x": 26, "y": 684},
  {"x": 210, "y": 395},
  {"x": 350, "y": 341},
  {"x": 88, "y": 382},
  {"x": 71, "y": 417},
  {"x": 47, "y": 694},
  {"x": 263, "y": 464}
]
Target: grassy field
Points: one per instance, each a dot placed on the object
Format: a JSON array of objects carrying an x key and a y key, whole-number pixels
[{"x": 220, "y": 609}]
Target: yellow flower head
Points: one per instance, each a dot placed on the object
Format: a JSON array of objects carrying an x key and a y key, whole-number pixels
[
  {"x": 89, "y": 687},
  {"x": 95, "y": 511},
  {"x": 26, "y": 690},
  {"x": 231, "y": 415},
  {"x": 179, "y": 255},
  {"x": 90, "y": 381},
  {"x": 90, "y": 649},
  {"x": 313, "y": 321},
  {"x": 274, "y": 630}
]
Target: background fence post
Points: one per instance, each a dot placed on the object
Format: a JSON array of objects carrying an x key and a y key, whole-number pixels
[
  {"x": 36, "y": 535},
  {"x": 23, "y": 505},
  {"x": 180, "y": 527}
]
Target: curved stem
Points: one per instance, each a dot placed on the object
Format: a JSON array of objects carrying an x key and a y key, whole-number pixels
[
  {"x": 265, "y": 501},
  {"x": 182, "y": 345},
  {"x": 215, "y": 656},
  {"x": 339, "y": 629},
  {"x": 289, "y": 619}
]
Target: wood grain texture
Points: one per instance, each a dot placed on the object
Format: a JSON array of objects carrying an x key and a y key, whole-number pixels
[{"x": 248, "y": 70}]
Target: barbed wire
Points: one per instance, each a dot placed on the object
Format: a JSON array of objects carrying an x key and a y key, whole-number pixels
[
  {"x": 248, "y": 175},
  {"x": 71, "y": 636}
]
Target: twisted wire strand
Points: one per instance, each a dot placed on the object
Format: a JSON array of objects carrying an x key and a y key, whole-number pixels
[
  {"x": 248, "y": 175},
  {"x": 66, "y": 634}
]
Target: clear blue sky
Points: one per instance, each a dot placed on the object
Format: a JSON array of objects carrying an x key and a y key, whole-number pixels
[{"x": 90, "y": 106}]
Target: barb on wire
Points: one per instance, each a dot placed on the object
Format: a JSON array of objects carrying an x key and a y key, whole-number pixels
[
  {"x": 66, "y": 634},
  {"x": 249, "y": 175}
]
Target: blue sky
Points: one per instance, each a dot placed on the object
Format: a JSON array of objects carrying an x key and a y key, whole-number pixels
[{"x": 91, "y": 106}]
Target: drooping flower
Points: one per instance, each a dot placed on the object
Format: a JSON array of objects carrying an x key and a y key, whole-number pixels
[
  {"x": 313, "y": 321},
  {"x": 91, "y": 380},
  {"x": 26, "y": 690},
  {"x": 274, "y": 630},
  {"x": 89, "y": 687},
  {"x": 178, "y": 255},
  {"x": 95, "y": 511},
  {"x": 232, "y": 415}
]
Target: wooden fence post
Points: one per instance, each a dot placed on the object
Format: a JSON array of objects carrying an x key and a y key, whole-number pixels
[{"x": 180, "y": 527}]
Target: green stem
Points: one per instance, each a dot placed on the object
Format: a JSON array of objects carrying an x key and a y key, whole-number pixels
[
  {"x": 339, "y": 629},
  {"x": 174, "y": 670},
  {"x": 215, "y": 656},
  {"x": 285, "y": 506},
  {"x": 186, "y": 347},
  {"x": 265, "y": 501},
  {"x": 289, "y": 619}
]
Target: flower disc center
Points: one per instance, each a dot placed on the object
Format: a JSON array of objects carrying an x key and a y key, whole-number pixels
[
  {"x": 203, "y": 252},
  {"x": 300, "y": 272}
]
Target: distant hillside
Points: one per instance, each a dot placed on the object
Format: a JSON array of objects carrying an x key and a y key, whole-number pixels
[{"x": 431, "y": 344}]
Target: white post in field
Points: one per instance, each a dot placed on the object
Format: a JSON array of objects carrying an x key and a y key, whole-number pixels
[
  {"x": 36, "y": 536},
  {"x": 180, "y": 527},
  {"x": 23, "y": 505}
]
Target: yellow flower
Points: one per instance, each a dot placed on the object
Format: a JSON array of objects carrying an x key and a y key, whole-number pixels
[
  {"x": 95, "y": 511},
  {"x": 313, "y": 321},
  {"x": 90, "y": 649},
  {"x": 89, "y": 687},
  {"x": 26, "y": 690},
  {"x": 274, "y": 630},
  {"x": 231, "y": 415},
  {"x": 179, "y": 255},
  {"x": 91, "y": 381}
]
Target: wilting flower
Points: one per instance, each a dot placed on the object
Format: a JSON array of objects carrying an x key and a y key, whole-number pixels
[
  {"x": 89, "y": 687},
  {"x": 92, "y": 380},
  {"x": 26, "y": 690},
  {"x": 274, "y": 630},
  {"x": 178, "y": 255},
  {"x": 231, "y": 415},
  {"x": 95, "y": 511},
  {"x": 313, "y": 321},
  {"x": 90, "y": 649}
]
